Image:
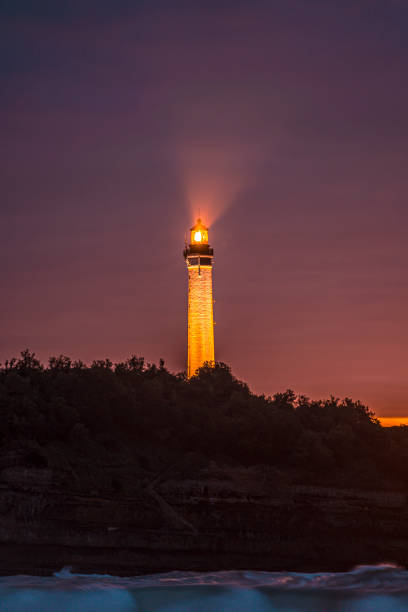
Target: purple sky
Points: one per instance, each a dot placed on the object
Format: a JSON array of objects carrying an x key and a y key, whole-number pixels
[{"x": 284, "y": 121}]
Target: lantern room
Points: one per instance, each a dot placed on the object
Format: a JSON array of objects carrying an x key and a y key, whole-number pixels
[
  {"x": 199, "y": 233},
  {"x": 198, "y": 245}
]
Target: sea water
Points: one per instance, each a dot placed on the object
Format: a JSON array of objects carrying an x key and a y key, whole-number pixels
[{"x": 365, "y": 589}]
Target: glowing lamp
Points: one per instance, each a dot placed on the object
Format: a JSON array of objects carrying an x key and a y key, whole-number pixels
[{"x": 199, "y": 233}]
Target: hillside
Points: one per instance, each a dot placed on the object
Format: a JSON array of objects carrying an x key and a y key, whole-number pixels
[{"x": 129, "y": 468}]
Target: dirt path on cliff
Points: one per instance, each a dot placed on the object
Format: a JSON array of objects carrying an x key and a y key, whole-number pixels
[{"x": 173, "y": 517}]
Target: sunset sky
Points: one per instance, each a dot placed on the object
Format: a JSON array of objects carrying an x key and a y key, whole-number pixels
[{"x": 285, "y": 122}]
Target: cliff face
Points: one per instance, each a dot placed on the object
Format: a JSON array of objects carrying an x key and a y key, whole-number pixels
[{"x": 220, "y": 519}]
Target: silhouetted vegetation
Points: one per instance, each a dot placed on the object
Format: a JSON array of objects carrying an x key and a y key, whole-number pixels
[{"x": 68, "y": 415}]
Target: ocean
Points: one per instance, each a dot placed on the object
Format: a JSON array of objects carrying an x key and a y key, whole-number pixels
[{"x": 364, "y": 589}]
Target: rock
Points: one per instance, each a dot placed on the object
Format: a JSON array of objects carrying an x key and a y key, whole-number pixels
[{"x": 222, "y": 518}]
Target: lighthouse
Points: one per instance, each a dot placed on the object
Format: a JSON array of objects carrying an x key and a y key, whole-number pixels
[{"x": 199, "y": 259}]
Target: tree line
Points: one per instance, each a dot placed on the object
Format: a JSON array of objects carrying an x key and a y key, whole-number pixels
[{"x": 82, "y": 414}]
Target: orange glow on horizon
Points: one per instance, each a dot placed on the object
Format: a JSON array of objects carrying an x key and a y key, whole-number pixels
[{"x": 392, "y": 421}]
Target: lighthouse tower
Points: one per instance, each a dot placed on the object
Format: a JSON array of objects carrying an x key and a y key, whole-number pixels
[{"x": 199, "y": 256}]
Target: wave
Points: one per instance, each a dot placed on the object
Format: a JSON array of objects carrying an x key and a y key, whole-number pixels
[
  {"x": 365, "y": 588},
  {"x": 385, "y": 578}
]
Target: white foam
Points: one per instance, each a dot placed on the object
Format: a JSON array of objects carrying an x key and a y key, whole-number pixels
[{"x": 364, "y": 589}]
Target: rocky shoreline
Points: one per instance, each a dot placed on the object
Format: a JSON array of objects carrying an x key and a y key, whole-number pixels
[{"x": 223, "y": 518}]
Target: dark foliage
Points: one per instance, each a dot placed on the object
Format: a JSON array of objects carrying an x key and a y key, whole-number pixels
[{"x": 78, "y": 414}]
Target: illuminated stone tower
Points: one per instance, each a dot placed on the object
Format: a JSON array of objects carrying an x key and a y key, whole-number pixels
[{"x": 199, "y": 255}]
